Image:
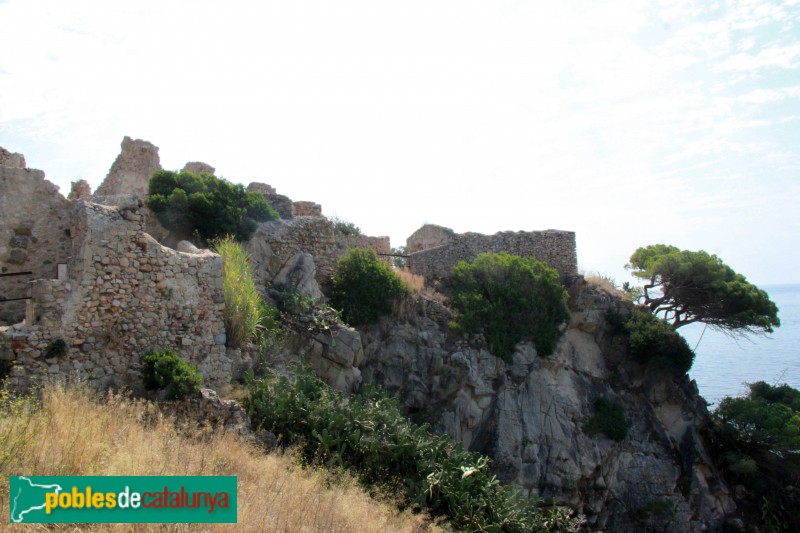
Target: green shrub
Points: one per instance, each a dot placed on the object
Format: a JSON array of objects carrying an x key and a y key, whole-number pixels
[
  {"x": 367, "y": 435},
  {"x": 247, "y": 317},
  {"x": 365, "y": 288},
  {"x": 206, "y": 205},
  {"x": 165, "y": 369},
  {"x": 756, "y": 439},
  {"x": 56, "y": 349},
  {"x": 509, "y": 299},
  {"x": 655, "y": 343},
  {"x": 608, "y": 419}
]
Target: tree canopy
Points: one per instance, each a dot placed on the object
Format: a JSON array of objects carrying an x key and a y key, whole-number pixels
[
  {"x": 685, "y": 287},
  {"x": 202, "y": 203}
]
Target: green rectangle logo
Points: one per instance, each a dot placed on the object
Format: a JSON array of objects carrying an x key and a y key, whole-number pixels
[{"x": 122, "y": 499}]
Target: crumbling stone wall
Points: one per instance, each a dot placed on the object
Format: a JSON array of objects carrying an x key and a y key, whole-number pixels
[
  {"x": 276, "y": 242},
  {"x": 306, "y": 209},
  {"x": 429, "y": 236},
  {"x": 282, "y": 204},
  {"x": 554, "y": 247},
  {"x": 381, "y": 245},
  {"x": 34, "y": 231},
  {"x": 131, "y": 171},
  {"x": 79, "y": 190},
  {"x": 125, "y": 295}
]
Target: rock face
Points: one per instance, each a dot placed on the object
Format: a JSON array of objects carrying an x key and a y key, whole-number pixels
[
  {"x": 529, "y": 415},
  {"x": 297, "y": 275},
  {"x": 131, "y": 171},
  {"x": 34, "y": 231}
]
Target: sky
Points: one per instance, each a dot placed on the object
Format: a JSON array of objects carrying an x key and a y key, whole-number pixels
[{"x": 629, "y": 122}]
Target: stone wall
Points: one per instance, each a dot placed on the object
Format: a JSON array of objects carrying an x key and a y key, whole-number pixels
[
  {"x": 381, "y": 245},
  {"x": 34, "y": 231},
  {"x": 125, "y": 295},
  {"x": 282, "y": 204},
  {"x": 277, "y": 242},
  {"x": 306, "y": 209},
  {"x": 554, "y": 247},
  {"x": 427, "y": 237},
  {"x": 131, "y": 171}
]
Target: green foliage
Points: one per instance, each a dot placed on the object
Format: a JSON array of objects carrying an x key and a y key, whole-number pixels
[
  {"x": 686, "y": 287},
  {"x": 56, "y": 349},
  {"x": 345, "y": 227},
  {"x": 756, "y": 439},
  {"x": 399, "y": 262},
  {"x": 165, "y": 369},
  {"x": 367, "y": 435},
  {"x": 769, "y": 416},
  {"x": 365, "y": 288},
  {"x": 608, "y": 419},
  {"x": 654, "y": 342},
  {"x": 509, "y": 298},
  {"x": 247, "y": 317},
  {"x": 204, "y": 204}
]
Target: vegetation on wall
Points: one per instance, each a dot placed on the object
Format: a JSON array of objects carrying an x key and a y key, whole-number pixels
[
  {"x": 364, "y": 288},
  {"x": 508, "y": 299},
  {"x": 685, "y": 287},
  {"x": 757, "y": 442},
  {"x": 247, "y": 317},
  {"x": 367, "y": 435},
  {"x": 205, "y": 205},
  {"x": 165, "y": 369},
  {"x": 608, "y": 419},
  {"x": 345, "y": 227}
]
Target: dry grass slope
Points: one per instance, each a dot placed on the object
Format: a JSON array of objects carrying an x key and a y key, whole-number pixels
[{"x": 74, "y": 432}]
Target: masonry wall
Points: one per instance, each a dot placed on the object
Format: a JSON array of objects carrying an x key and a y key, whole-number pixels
[
  {"x": 34, "y": 232},
  {"x": 126, "y": 294},
  {"x": 277, "y": 241},
  {"x": 554, "y": 247}
]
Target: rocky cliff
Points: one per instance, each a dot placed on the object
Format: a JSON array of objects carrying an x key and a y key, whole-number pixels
[{"x": 529, "y": 415}]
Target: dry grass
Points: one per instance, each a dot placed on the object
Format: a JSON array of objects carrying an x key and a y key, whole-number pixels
[
  {"x": 415, "y": 283},
  {"x": 606, "y": 283},
  {"x": 75, "y": 433}
]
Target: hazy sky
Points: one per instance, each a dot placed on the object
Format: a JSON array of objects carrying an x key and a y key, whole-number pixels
[{"x": 628, "y": 122}]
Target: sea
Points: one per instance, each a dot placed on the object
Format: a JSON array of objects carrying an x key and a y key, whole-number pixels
[{"x": 724, "y": 365}]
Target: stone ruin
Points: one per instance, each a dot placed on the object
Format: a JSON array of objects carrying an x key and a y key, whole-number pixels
[
  {"x": 104, "y": 282},
  {"x": 112, "y": 284},
  {"x": 434, "y": 250}
]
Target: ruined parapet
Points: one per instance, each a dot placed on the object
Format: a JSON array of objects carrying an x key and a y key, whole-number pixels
[
  {"x": 79, "y": 189},
  {"x": 380, "y": 245},
  {"x": 125, "y": 295},
  {"x": 306, "y": 209},
  {"x": 34, "y": 232},
  {"x": 556, "y": 248},
  {"x": 429, "y": 236},
  {"x": 198, "y": 167},
  {"x": 131, "y": 171},
  {"x": 282, "y": 204},
  {"x": 276, "y": 242},
  {"x": 10, "y": 159}
]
